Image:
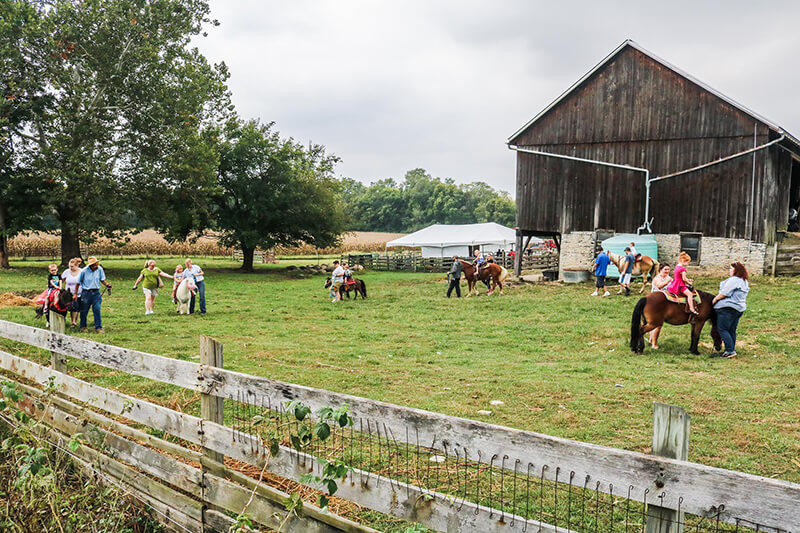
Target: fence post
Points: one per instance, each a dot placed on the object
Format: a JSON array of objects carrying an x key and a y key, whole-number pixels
[
  {"x": 58, "y": 324},
  {"x": 211, "y": 407},
  {"x": 670, "y": 439}
]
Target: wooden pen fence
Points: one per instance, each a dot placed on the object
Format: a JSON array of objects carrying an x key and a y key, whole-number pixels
[
  {"x": 447, "y": 473},
  {"x": 546, "y": 259}
]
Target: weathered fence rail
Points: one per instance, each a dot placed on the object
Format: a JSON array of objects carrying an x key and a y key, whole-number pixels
[
  {"x": 545, "y": 259},
  {"x": 449, "y": 473}
]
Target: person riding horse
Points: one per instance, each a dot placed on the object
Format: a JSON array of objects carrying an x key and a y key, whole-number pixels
[{"x": 479, "y": 263}]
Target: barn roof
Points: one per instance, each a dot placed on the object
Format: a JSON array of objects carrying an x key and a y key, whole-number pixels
[{"x": 632, "y": 44}]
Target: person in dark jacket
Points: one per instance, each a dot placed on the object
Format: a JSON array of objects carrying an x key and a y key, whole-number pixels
[{"x": 455, "y": 278}]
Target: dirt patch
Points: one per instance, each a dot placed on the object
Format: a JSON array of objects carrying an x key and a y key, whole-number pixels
[{"x": 10, "y": 299}]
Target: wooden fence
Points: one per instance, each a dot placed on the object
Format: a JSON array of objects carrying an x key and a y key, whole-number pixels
[
  {"x": 787, "y": 259},
  {"x": 536, "y": 259},
  {"x": 259, "y": 256},
  {"x": 469, "y": 475}
]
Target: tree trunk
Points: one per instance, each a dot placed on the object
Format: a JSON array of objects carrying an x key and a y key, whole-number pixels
[
  {"x": 4, "y": 252},
  {"x": 70, "y": 242},
  {"x": 3, "y": 238},
  {"x": 247, "y": 258}
]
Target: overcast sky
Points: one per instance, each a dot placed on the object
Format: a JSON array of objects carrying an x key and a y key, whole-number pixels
[{"x": 441, "y": 85}]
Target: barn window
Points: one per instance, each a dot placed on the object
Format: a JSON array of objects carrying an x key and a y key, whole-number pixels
[{"x": 690, "y": 243}]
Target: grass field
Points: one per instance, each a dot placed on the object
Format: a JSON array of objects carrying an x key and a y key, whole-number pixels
[{"x": 558, "y": 359}]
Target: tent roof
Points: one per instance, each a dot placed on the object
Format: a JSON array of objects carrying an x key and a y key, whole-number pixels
[{"x": 458, "y": 234}]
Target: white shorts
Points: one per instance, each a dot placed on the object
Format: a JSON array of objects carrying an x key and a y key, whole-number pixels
[
  {"x": 154, "y": 292},
  {"x": 625, "y": 279}
]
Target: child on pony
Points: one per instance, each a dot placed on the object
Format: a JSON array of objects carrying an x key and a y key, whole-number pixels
[
  {"x": 682, "y": 284},
  {"x": 177, "y": 277}
]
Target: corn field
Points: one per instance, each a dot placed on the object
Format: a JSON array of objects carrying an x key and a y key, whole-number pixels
[{"x": 150, "y": 243}]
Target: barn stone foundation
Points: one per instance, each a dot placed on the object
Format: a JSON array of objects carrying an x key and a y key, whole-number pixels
[
  {"x": 716, "y": 253},
  {"x": 577, "y": 251}
]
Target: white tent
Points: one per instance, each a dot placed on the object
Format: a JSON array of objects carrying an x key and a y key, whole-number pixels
[{"x": 441, "y": 240}]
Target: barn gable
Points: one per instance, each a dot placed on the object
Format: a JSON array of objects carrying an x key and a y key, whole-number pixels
[{"x": 638, "y": 87}]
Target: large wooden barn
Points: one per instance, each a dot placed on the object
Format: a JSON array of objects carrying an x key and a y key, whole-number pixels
[{"x": 721, "y": 178}]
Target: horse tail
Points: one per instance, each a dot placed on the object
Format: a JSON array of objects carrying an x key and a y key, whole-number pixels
[
  {"x": 503, "y": 274},
  {"x": 654, "y": 269},
  {"x": 637, "y": 319},
  {"x": 363, "y": 289}
]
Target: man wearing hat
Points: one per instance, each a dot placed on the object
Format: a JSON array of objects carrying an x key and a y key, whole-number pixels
[{"x": 89, "y": 280}]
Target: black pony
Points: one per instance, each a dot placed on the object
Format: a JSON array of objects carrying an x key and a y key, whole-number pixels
[
  {"x": 59, "y": 301},
  {"x": 358, "y": 286}
]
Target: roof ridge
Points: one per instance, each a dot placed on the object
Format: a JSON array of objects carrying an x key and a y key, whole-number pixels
[{"x": 633, "y": 44}]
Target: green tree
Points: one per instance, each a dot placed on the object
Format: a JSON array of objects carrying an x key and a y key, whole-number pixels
[
  {"x": 383, "y": 207},
  {"x": 22, "y": 194},
  {"x": 275, "y": 192},
  {"x": 117, "y": 105}
]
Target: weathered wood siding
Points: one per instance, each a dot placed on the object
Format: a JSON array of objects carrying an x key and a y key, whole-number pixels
[{"x": 635, "y": 111}]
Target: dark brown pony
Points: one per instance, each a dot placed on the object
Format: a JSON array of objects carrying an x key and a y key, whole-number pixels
[
  {"x": 492, "y": 271},
  {"x": 654, "y": 310},
  {"x": 359, "y": 287}
]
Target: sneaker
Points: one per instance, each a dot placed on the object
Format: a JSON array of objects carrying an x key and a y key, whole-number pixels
[
  {"x": 83, "y": 330},
  {"x": 606, "y": 293},
  {"x": 729, "y": 355},
  {"x": 99, "y": 330},
  {"x": 594, "y": 293}
]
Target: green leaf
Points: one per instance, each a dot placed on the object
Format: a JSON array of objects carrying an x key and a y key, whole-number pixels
[
  {"x": 274, "y": 447},
  {"x": 322, "y": 430},
  {"x": 296, "y": 443},
  {"x": 322, "y": 501},
  {"x": 331, "y": 485},
  {"x": 258, "y": 419}
]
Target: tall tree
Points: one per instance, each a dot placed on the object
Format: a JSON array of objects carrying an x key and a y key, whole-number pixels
[
  {"x": 122, "y": 94},
  {"x": 22, "y": 194},
  {"x": 275, "y": 192}
]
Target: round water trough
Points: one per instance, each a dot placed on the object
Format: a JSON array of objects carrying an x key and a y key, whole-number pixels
[{"x": 576, "y": 275}]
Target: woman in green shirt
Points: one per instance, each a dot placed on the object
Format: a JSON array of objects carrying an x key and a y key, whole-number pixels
[{"x": 148, "y": 277}]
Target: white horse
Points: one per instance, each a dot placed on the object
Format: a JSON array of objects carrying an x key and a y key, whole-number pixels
[{"x": 184, "y": 295}]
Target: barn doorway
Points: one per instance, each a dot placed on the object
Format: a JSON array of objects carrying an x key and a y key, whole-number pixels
[{"x": 794, "y": 197}]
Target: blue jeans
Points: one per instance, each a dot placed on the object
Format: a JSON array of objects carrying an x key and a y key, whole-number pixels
[
  {"x": 727, "y": 322},
  {"x": 201, "y": 293},
  {"x": 91, "y": 299}
]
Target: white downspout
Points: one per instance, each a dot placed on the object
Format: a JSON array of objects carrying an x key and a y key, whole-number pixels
[{"x": 646, "y": 224}]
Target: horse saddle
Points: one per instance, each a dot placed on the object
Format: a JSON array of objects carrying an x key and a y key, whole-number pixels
[
  {"x": 680, "y": 298},
  {"x": 350, "y": 282}
]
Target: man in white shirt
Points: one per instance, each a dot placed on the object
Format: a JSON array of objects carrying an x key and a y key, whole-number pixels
[
  {"x": 199, "y": 280},
  {"x": 337, "y": 278}
]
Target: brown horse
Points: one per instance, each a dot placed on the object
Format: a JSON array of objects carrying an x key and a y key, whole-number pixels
[
  {"x": 644, "y": 267},
  {"x": 652, "y": 311},
  {"x": 358, "y": 286},
  {"x": 492, "y": 271}
]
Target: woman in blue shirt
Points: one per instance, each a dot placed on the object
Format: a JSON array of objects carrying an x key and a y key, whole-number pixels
[{"x": 729, "y": 304}]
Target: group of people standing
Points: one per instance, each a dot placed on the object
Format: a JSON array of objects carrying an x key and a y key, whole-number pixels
[
  {"x": 729, "y": 303},
  {"x": 84, "y": 285},
  {"x": 150, "y": 278}
]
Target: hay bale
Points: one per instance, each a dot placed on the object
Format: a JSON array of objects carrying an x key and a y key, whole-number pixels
[{"x": 9, "y": 299}]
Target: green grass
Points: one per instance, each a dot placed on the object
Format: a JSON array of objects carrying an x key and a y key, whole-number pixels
[{"x": 552, "y": 354}]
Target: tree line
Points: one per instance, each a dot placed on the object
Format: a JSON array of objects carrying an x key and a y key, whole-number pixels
[
  {"x": 420, "y": 200},
  {"x": 110, "y": 121}
]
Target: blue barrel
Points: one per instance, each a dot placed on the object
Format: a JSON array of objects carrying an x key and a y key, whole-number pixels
[{"x": 645, "y": 245}]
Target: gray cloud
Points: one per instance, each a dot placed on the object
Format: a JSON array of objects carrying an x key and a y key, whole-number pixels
[{"x": 441, "y": 84}]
